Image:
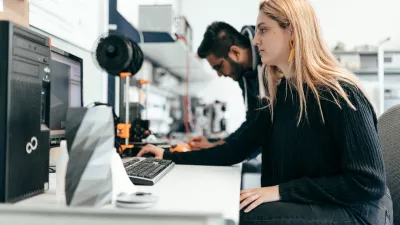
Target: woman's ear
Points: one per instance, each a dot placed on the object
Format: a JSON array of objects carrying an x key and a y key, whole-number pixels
[{"x": 235, "y": 53}]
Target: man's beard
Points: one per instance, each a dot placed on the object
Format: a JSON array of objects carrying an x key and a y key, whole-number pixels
[{"x": 237, "y": 70}]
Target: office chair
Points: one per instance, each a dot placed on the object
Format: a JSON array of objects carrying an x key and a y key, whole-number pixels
[{"x": 389, "y": 130}]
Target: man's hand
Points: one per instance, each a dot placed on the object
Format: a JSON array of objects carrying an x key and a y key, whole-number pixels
[
  {"x": 258, "y": 196},
  {"x": 151, "y": 149},
  {"x": 199, "y": 142}
]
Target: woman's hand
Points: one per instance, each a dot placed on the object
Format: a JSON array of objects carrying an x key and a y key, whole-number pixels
[
  {"x": 151, "y": 149},
  {"x": 258, "y": 196}
]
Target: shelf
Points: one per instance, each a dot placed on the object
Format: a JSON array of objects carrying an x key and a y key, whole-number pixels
[
  {"x": 375, "y": 72},
  {"x": 364, "y": 53},
  {"x": 173, "y": 57}
]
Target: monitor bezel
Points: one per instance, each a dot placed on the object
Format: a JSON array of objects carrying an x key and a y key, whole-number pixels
[{"x": 74, "y": 58}]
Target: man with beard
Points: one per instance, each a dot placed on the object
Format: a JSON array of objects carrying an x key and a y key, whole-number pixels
[{"x": 231, "y": 54}]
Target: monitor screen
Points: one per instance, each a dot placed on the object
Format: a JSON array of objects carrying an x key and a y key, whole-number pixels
[{"x": 66, "y": 90}]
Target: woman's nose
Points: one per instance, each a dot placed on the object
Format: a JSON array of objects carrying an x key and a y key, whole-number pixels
[{"x": 256, "y": 40}]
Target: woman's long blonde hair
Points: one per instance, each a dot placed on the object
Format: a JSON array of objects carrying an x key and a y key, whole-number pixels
[{"x": 313, "y": 63}]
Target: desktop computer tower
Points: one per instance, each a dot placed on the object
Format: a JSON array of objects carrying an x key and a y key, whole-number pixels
[{"x": 24, "y": 112}]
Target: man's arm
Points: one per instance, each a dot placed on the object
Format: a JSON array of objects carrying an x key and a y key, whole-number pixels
[{"x": 251, "y": 115}]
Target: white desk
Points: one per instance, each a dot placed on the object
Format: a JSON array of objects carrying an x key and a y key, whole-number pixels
[{"x": 185, "y": 189}]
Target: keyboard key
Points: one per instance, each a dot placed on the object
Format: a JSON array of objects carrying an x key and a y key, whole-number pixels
[
  {"x": 166, "y": 162},
  {"x": 147, "y": 171},
  {"x": 159, "y": 168},
  {"x": 141, "y": 174},
  {"x": 150, "y": 169},
  {"x": 131, "y": 162},
  {"x": 149, "y": 175},
  {"x": 133, "y": 174}
]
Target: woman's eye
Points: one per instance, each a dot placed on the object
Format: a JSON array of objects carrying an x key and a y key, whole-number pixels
[{"x": 263, "y": 30}]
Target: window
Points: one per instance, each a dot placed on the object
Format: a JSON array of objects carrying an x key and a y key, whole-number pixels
[{"x": 388, "y": 59}]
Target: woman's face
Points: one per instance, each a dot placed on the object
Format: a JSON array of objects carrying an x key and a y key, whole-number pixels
[{"x": 272, "y": 41}]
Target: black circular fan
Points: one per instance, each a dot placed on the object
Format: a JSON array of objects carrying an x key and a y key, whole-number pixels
[{"x": 116, "y": 54}]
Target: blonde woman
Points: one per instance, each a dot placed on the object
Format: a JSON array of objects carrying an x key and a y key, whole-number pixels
[{"x": 321, "y": 157}]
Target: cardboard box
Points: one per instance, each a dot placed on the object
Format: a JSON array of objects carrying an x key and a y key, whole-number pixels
[{"x": 16, "y": 11}]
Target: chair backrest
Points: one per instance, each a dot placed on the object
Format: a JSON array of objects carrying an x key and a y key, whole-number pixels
[{"x": 389, "y": 135}]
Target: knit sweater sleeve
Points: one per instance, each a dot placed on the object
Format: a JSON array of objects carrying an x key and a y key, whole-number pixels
[
  {"x": 235, "y": 151},
  {"x": 251, "y": 115},
  {"x": 362, "y": 176}
]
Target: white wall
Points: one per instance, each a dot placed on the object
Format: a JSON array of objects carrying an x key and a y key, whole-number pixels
[
  {"x": 357, "y": 22},
  {"x": 94, "y": 79}
]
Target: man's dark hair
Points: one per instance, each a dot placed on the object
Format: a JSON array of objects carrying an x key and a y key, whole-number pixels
[{"x": 218, "y": 40}]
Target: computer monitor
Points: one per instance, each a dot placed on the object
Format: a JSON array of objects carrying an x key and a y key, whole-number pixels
[{"x": 66, "y": 90}]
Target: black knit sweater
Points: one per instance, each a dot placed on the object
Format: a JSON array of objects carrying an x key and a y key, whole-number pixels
[{"x": 338, "y": 161}]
